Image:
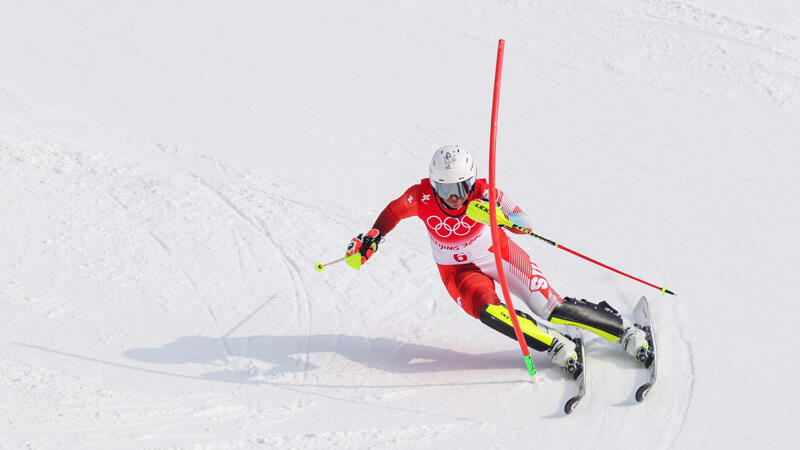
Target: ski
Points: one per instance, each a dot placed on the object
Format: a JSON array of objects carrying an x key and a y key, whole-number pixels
[
  {"x": 573, "y": 402},
  {"x": 644, "y": 318}
]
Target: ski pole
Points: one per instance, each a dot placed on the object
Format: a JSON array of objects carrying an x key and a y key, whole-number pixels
[
  {"x": 321, "y": 266},
  {"x": 479, "y": 212}
]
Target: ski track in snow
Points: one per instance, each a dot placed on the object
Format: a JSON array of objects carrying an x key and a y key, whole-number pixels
[
  {"x": 301, "y": 293},
  {"x": 210, "y": 312},
  {"x": 749, "y": 60},
  {"x": 768, "y": 39},
  {"x": 300, "y": 290},
  {"x": 683, "y": 333}
]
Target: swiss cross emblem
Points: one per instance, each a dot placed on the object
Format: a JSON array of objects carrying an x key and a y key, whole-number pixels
[{"x": 410, "y": 198}]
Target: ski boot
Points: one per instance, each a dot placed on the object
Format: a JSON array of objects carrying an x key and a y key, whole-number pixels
[
  {"x": 634, "y": 341},
  {"x": 561, "y": 348},
  {"x": 563, "y": 354},
  {"x": 602, "y": 319}
]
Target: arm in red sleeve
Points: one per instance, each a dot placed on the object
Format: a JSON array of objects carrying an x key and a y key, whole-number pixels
[{"x": 398, "y": 209}]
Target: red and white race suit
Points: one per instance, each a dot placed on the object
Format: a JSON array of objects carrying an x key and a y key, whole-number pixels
[{"x": 462, "y": 249}]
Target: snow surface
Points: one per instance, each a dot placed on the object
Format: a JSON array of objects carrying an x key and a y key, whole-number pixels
[{"x": 171, "y": 171}]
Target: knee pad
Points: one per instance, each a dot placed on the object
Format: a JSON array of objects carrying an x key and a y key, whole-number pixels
[
  {"x": 601, "y": 319},
  {"x": 498, "y": 318}
]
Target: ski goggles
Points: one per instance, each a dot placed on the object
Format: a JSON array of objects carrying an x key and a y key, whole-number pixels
[{"x": 459, "y": 189}]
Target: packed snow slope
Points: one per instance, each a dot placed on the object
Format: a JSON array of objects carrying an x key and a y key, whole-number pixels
[{"x": 171, "y": 171}]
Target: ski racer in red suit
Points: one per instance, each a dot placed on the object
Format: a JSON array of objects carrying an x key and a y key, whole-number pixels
[{"x": 463, "y": 252}]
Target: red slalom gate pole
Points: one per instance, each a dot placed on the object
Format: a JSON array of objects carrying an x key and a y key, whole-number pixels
[{"x": 493, "y": 215}]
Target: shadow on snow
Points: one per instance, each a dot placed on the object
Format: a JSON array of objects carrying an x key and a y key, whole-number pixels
[{"x": 287, "y": 354}]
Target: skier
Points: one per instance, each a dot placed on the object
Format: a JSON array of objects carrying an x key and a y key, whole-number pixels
[{"x": 462, "y": 249}]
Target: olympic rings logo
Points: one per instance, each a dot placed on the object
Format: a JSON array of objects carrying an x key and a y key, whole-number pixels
[{"x": 449, "y": 226}]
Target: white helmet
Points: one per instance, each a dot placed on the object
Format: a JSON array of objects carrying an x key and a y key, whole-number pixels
[{"x": 452, "y": 171}]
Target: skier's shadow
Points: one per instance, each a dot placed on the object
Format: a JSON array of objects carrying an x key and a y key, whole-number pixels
[{"x": 285, "y": 354}]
